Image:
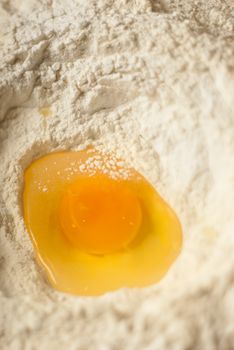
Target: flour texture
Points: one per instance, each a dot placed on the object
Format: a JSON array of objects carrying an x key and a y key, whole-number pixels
[{"x": 153, "y": 82}]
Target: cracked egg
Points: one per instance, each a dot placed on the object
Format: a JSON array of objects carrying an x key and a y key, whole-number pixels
[{"x": 96, "y": 224}]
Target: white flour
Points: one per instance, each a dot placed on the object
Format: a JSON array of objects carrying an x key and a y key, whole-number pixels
[{"x": 152, "y": 81}]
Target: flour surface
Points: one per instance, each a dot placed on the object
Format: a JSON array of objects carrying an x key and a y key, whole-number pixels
[{"x": 153, "y": 82}]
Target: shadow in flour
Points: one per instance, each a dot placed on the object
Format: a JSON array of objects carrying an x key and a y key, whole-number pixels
[{"x": 160, "y": 6}]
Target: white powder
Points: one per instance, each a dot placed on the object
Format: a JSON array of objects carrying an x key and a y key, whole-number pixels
[
  {"x": 153, "y": 82},
  {"x": 108, "y": 164}
]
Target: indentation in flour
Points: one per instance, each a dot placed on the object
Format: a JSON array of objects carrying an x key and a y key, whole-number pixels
[
  {"x": 108, "y": 96},
  {"x": 151, "y": 81},
  {"x": 161, "y": 6}
]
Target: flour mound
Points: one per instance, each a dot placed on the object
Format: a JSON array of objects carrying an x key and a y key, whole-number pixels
[{"x": 153, "y": 82}]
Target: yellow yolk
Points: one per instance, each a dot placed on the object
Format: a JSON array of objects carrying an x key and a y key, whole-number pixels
[
  {"x": 96, "y": 224},
  {"x": 99, "y": 215}
]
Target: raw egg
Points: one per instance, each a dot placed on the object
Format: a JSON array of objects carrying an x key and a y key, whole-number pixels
[{"x": 97, "y": 224}]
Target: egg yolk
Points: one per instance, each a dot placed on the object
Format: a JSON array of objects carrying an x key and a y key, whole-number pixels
[
  {"x": 99, "y": 215},
  {"x": 97, "y": 224}
]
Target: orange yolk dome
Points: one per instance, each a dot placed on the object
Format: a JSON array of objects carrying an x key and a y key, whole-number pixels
[
  {"x": 99, "y": 215},
  {"x": 96, "y": 224}
]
